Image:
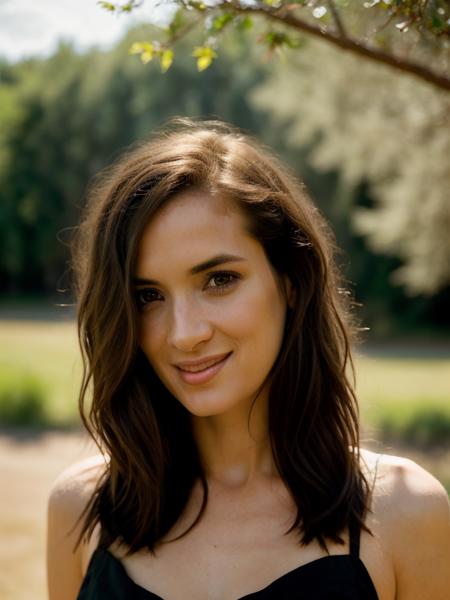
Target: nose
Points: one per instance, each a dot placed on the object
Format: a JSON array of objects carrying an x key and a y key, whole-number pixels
[{"x": 189, "y": 326}]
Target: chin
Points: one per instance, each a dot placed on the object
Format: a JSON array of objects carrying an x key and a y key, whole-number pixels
[{"x": 204, "y": 405}]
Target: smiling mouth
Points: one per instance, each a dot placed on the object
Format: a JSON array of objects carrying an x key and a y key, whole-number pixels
[
  {"x": 202, "y": 366},
  {"x": 202, "y": 372}
]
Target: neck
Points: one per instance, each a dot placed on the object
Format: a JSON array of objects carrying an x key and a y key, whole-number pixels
[{"x": 234, "y": 449}]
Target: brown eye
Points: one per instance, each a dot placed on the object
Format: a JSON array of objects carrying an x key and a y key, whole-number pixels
[
  {"x": 146, "y": 296},
  {"x": 222, "y": 279}
]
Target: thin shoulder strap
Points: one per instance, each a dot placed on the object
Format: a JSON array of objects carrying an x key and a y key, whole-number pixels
[
  {"x": 354, "y": 529},
  {"x": 354, "y": 535}
]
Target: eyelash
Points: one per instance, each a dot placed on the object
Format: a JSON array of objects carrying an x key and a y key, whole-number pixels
[{"x": 218, "y": 289}]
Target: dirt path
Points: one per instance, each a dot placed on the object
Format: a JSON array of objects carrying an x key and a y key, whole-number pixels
[{"x": 28, "y": 466}]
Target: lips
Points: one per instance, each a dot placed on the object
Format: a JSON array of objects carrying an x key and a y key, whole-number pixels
[
  {"x": 202, "y": 364},
  {"x": 199, "y": 372}
]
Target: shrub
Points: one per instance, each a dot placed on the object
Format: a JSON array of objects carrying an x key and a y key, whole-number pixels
[
  {"x": 22, "y": 400},
  {"x": 422, "y": 423}
]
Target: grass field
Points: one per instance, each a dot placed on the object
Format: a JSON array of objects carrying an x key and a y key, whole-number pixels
[
  {"x": 405, "y": 397},
  {"x": 46, "y": 354}
]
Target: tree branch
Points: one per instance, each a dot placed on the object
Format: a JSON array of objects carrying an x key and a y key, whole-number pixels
[
  {"x": 285, "y": 17},
  {"x": 185, "y": 30}
]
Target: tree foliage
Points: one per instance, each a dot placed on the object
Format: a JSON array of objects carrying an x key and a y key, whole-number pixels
[
  {"x": 407, "y": 35},
  {"x": 64, "y": 118},
  {"x": 388, "y": 131},
  {"x": 373, "y": 130}
]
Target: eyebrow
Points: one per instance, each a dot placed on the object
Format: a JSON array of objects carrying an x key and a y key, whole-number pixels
[{"x": 220, "y": 259}]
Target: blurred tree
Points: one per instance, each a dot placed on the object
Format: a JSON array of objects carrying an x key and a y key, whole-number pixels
[
  {"x": 388, "y": 131},
  {"x": 67, "y": 117},
  {"x": 35, "y": 180},
  {"x": 373, "y": 131},
  {"x": 406, "y": 35},
  {"x": 63, "y": 119}
]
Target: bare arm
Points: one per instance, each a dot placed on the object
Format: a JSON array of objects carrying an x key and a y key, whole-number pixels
[{"x": 68, "y": 497}]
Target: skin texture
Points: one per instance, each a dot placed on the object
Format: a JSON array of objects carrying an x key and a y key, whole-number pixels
[
  {"x": 189, "y": 317},
  {"x": 239, "y": 545},
  {"x": 240, "y": 548}
]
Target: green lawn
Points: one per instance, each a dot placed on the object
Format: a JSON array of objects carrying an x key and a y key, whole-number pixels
[
  {"x": 406, "y": 397},
  {"x": 392, "y": 391},
  {"x": 44, "y": 354}
]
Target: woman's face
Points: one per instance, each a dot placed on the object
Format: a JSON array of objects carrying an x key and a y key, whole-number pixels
[{"x": 212, "y": 309}]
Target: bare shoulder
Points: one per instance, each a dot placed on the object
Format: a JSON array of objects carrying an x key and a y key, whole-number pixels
[
  {"x": 73, "y": 488},
  {"x": 404, "y": 484},
  {"x": 405, "y": 491},
  {"x": 78, "y": 481},
  {"x": 400, "y": 475},
  {"x": 411, "y": 511},
  {"x": 68, "y": 497}
]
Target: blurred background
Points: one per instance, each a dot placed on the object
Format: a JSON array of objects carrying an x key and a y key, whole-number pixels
[{"x": 372, "y": 145}]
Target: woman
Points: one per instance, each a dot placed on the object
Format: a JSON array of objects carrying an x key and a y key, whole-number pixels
[{"x": 216, "y": 345}]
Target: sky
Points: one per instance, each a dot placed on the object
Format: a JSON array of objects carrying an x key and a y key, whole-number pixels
[{"x": 34, "y": 27}]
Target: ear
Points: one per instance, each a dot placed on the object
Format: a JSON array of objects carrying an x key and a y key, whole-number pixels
[{"x": 289, "y": 291}]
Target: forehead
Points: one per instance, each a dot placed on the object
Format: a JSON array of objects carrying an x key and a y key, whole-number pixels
[
  {"x": 191, "y": 228},
  {"x": 198, "y": 204}
]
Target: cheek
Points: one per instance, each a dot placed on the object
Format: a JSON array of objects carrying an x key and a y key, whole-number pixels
[
  {"x": 258, "y": 318},
  {"x": 151, "y": 335}
]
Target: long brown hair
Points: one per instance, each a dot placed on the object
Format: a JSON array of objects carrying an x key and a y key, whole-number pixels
[{"x": 145, "y": 431}]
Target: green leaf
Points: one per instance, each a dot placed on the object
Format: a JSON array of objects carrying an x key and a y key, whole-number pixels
[
  {"x": 245, "y": 24},
  {"x": 197, "y": 5},
  {"x": 146, "y": 57},
  {"x": 277, "y": 39},
  {"x": 220, "y": 21},
  {"x": 140, "y": 47},
  {"x": 128, "y": 7},
  {"x": 176, "y": 23},
  {"x": 145, "y": 49},
  {"x": 166, "y": 59},
  {"x": 293, "y": 42},
  {"x": 203, "y": 62},
  {"x": 107, "y": 5},
  {"x": 135, "y": 48},
  {"x": 205, "y": 55},
  {"x": 437, "y": 22}
]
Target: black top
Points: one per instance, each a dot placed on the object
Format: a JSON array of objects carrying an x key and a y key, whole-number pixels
[{"x": 334, "y": 577}]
